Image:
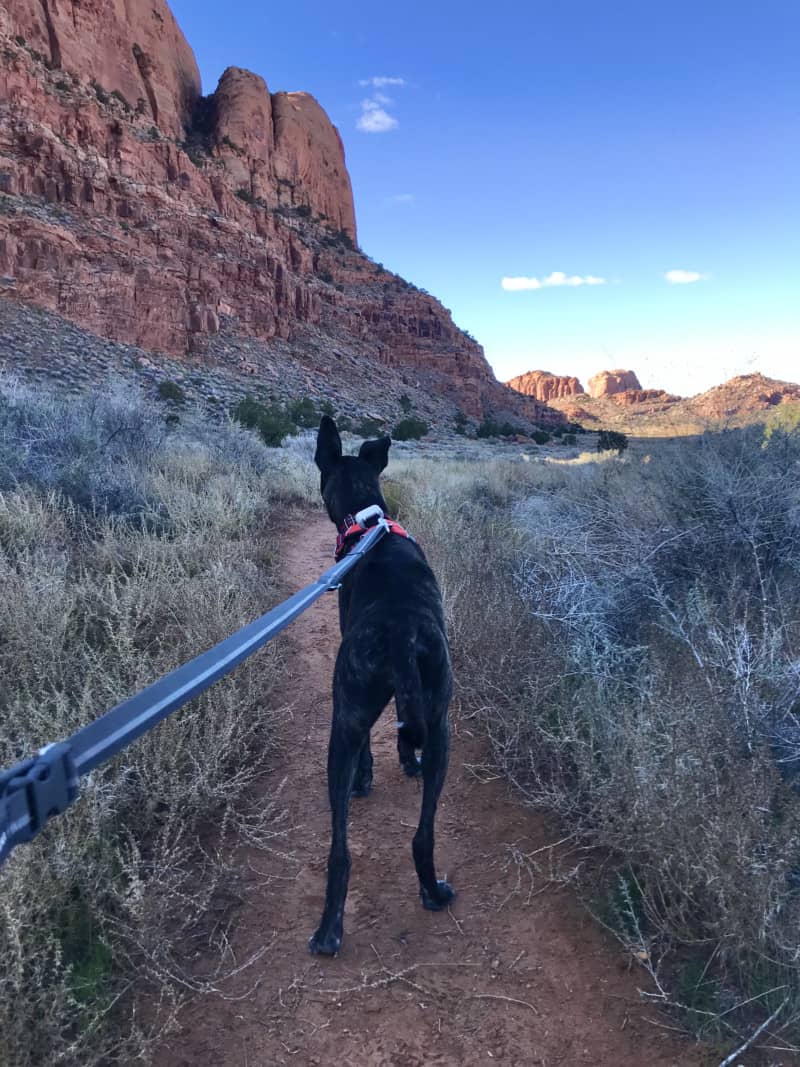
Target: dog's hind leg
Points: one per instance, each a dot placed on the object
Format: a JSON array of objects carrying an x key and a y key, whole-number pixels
[
  {"x": 435, "y": 894},
  {"x": 409, "y": 760},
  {"x": 362, "y": 783},
  {"x": 349, "y": 734}
]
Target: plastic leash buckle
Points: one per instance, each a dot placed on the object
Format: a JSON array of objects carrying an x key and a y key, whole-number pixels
[
  {"x": 50, "y": 784},
  {"x": 374, "y": 511}
]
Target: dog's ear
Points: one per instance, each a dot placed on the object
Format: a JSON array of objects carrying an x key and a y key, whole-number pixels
[
  {"x": 376, "y": 453},
  {"x": 329, "y": 445}
]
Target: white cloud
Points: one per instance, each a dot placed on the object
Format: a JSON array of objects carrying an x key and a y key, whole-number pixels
[
  {"x": 684, "y": 277},
  {"x": 553, "y": 280},
  {"x": 374, "y": 119},
  {"x": 382, "y": 82},
  {"x": 402, "y": 198}
]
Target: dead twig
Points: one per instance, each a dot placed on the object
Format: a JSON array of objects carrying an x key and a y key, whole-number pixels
[
  {"x": 498, "y": 996},
  {"x": 759, "y": 1030}
]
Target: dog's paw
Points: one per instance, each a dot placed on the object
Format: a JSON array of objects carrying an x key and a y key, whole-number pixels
[
  {"x": 323, "y": 943},
  {"x": 362, "y": 788},
  {"x": 438, "y": 900},
  {"x": 412, "y": 766}
]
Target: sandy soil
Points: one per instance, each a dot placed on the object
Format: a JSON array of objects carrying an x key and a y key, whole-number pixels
[{"x": 515, "y": 973}]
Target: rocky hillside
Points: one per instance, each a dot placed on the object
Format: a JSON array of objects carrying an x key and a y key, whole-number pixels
[{"x": 135, "y": 207}]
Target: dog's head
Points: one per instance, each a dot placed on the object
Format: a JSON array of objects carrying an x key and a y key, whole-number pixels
[{"x": 349, "y": 483}]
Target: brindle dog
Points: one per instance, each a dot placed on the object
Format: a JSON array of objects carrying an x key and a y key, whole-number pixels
[{"x": 393, "y": 644}]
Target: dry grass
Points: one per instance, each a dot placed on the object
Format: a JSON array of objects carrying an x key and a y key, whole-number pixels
[
  {"x": 628, "y": 632},
  {"x": 125, "y": 549}
]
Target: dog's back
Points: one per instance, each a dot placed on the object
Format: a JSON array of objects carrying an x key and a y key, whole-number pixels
[{"x": 393, "y": 631}]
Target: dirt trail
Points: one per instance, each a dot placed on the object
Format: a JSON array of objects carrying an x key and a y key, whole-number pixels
[{"x": 508, "y": 976}]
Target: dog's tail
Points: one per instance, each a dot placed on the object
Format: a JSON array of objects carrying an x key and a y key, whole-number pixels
[{"x": 408, "y": 694}]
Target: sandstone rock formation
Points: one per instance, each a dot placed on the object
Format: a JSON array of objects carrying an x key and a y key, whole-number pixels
[
  {"x": 544, "y": 386},
  {"x": 747, "y": 394},
  {"x": 134, "y": 49},
  {"x": 608, "y": 382},
  {"x": 281, "y": 149},
  {"x": 135, "y": 207}
]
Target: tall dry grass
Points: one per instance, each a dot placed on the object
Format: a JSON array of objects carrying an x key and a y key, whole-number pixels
[
  {"x": 127, "y": 547},
  {"x": 628, "y": 633}
]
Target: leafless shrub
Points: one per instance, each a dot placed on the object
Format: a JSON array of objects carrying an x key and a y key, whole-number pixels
[
  {"x": 629, "y": 633},
  {"x": 124, "y": 550}
]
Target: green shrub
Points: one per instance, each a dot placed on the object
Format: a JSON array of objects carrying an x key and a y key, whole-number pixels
[
  {"x": 460, "y": 423},
  {"x": 785, "y": 420},
  {"x": 410, "y": 430},
  {"x": 303, "y": 412},
  {"x": 541, "y": 437},
  {"x": 342, "y": 238},
  {"x": 272, "y": 421},
  {"x": 101, "y": 93},
  {"x": 406, "y": 403},
  {"x": 368, "y": 427},
  {"x": 569, "y": 439},
  {"x": 611, "y": 441},
  {"x": 490, "y": 427},
  {"x": 171, "y": 391},
  {"x": 118, "y": 95},
  {"x": 246, "y": 195}
]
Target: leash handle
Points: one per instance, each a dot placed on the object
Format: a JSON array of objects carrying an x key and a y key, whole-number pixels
[{"x": 34, "y": 791}]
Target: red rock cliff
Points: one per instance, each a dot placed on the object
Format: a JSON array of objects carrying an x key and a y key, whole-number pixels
[
  {"x": 140, "y": 210},
  {"x": 608, "y": 382},
  {"x": 544, "y": 386},
  {"x": 135, "y": 49}
]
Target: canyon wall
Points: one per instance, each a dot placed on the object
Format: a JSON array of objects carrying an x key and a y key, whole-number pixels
[{"x": 134, "y": 206}]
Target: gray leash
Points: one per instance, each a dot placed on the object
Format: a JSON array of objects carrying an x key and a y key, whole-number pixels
[{"x": 46, "y": 784}]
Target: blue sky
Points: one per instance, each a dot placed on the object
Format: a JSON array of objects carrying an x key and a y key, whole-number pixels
[{"x": 611, "y": 140}]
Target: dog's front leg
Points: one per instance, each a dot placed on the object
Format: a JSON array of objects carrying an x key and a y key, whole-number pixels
[{"x": 343, "y": 752}]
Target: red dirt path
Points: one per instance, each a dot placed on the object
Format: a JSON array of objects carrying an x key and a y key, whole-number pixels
[{"x": 507, "y": 976}]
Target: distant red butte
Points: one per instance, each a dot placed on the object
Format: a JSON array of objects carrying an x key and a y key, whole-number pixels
[
  {"x": 608, "y": 382},
  {"x": 544, "y": 386}
]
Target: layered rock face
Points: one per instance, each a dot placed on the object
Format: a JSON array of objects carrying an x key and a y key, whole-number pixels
[
  {"x": 281, "y": 148},
  {"x": 148, "y": 214},
  {"x": 544, "y": 386},
  {"x": 608, "y": 382},
  {"x": 135, "y": 49}
]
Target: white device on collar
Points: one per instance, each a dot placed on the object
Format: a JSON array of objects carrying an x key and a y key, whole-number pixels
[{"x": 374, "y": 511}]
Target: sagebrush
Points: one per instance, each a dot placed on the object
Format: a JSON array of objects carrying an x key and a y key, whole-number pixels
[
  {"x": 125, "y": 549},
  {"x": 628, "y": 631}
]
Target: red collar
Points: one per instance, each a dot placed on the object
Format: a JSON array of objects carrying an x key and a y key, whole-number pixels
[{"x": 351, "y": 531}]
